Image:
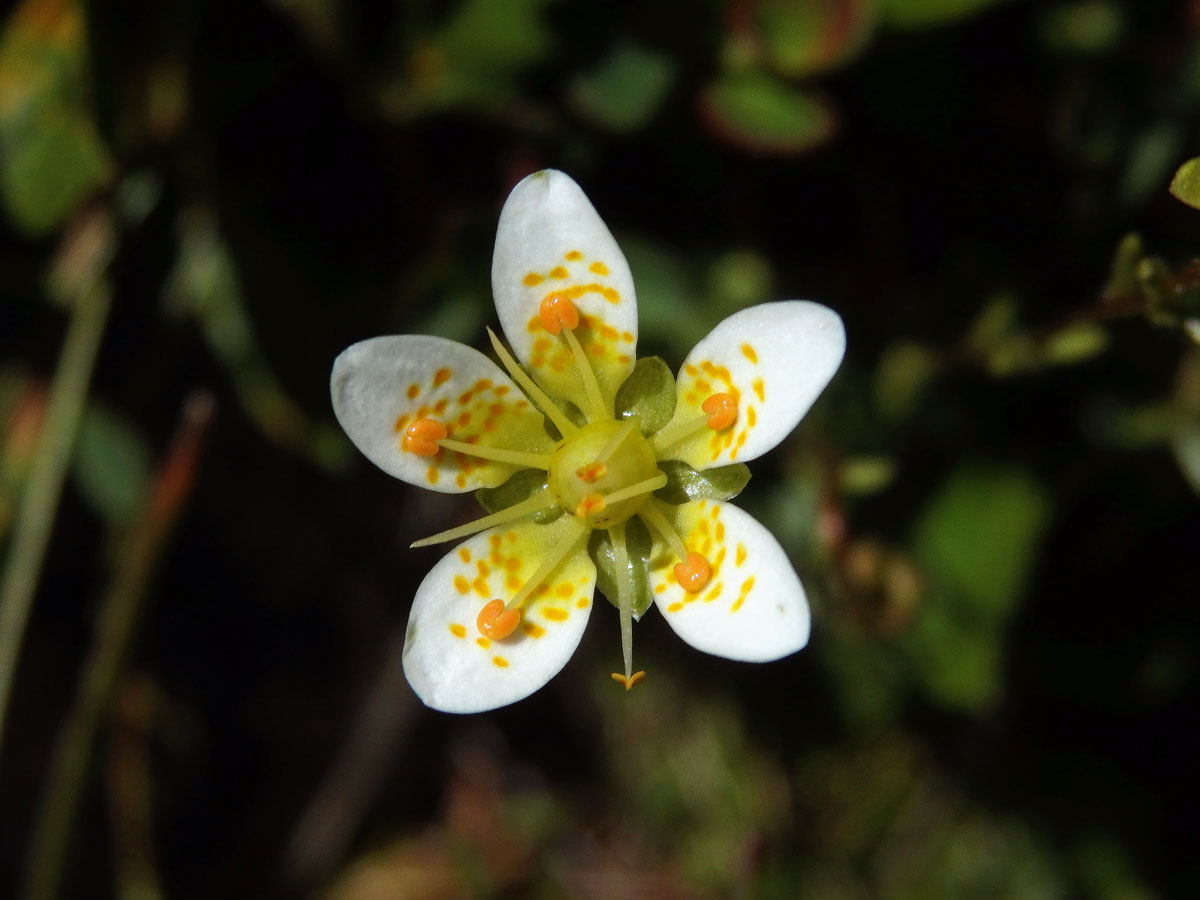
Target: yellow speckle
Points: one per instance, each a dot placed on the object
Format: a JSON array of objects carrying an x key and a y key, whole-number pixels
[
  {"x": 483, "y": 642},
  {"x": 458, "y": 631},
  {"x": 714, "y": 593},
  {"x": 659, "y": 588},
  {"x": 500, "y": 662},
  {"x": 691, "y": 370},
  {"x": 464, "y": 554},
  {"x": 441, "y": 376},
  {"x": 720, "y": 534},
  {"x": 414, "y": 391},
  {"x": 741, "y": 553},
  {"x": 573, "y": 256},
  {"x": 460, "y": 480},
  {"x": 482, "y": 567},
  {"x": 494, "y": 540},
  {"x": 598, "y": 268},
  {"x": 534, "y": 631},
  {"x": 461, "y": 584},
  {"x": 511, "y": 537},
  {"x": 554, "y": 614},
  {"x": 611, "y": 295},
  {"x": 481, "y": 587},
  {"x": 582, "y": 602},
  {"x": 432, "y": 475},
  {"x": 564, "y": 590},
  {"x": 675, "y": 607},
  {"x": 533, "y": 279},
  {"x": 751, "y": 416},
  {"x": 759, "y": 389},
  {"x": 559, "y": 272},
  {"x": 748, "y": 352}
]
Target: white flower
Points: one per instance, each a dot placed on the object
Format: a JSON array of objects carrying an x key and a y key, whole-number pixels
[{"x": 501, "y": 613}]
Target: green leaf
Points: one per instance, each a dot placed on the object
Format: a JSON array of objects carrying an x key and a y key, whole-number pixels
[
  {"x": 806, "y": 37},
  {"x": 649, "y": 393},
  {"x": 519, "y": 488},
  {"x": 926, "y": 13},
  {"x": 976, "y": 542},
  {"x": 111, "y": 465},
  {"x": 1185, "y": 186},
  {"x": 684, "y": 483},
  {"x": 1075, "y": 344},
  {"x": 757, "y": 112},
  {"x": 625, "y": 90},
  {"x": 51, "y": 155},
  {"x": 638, "y": 546}
]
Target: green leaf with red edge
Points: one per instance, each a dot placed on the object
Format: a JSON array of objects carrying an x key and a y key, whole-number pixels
[
  {"x": 804, "y": 37},
  {"x": 51, "y": 155},
  {"x": 759, "y": 113}
]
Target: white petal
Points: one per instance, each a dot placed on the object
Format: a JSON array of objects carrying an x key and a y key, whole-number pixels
[
  {"x": 775, "y": 359},
  {"x": 380, "y": 386},
  {"x": 754, "y": 608},
  {"x": 551, "y": 240},
  {"x": 450, "y": 665}
]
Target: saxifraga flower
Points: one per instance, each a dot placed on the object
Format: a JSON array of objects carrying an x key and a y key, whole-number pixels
[{"x": 593, "y": 465}]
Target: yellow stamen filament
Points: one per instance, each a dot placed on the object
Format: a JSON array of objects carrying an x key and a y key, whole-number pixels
[
  {"x": 496, "y": 621},
  {"x": 591, "y": 505},
  {"x": 574, "y": 530},
  {"x": 722, "y": 411},
  {"x": 591, "y": 387},
  {"x": 628, "y": 681},
  {"x": 653, "y": 516},
  {"x": 498, "y": 454},
  {"x": 539, "y": 501},
  {"x": 558, "y": 312},
  {"x": 615, "y": 442},
  {"x": 422, "y": 436},
  {"x": 637, "y": 489},
  {"x": 693, "y": 573},
  {"x": 564, "y": 425},
  {"x": 591, "y": 473}
]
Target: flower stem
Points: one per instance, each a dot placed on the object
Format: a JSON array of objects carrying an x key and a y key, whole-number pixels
[
  {"x": 35, "y": 516},
  {"x": 119, "y": 613}
]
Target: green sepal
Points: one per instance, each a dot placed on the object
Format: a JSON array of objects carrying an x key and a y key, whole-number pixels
[
  {"x": 519, "y": 488},
  {"x": 649, "y": 393},
  {"x": 638, "y": 547},
  {"x": 685, "y": 484}
]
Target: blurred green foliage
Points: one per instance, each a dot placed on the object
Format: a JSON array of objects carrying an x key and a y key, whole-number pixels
[{"x": 993, "y": 509}]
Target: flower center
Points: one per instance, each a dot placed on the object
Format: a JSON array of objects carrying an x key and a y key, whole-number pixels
[{"x": 600, "y": 472}]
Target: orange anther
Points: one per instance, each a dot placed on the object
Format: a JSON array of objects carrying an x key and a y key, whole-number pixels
[
  {"x": 722, "y": 411},
  {"x": 497, "y": 622},
  {"x": 592, "y": 472},
  {"x": 630, "y": 681},
  {"x": 591, "y": 505},
  {"x": 557, "y": 312},
  {"x": 422, "y": 436},
  {"x": 693, "y": 573}
]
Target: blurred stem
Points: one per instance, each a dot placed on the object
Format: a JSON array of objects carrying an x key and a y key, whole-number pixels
[
  {"x": 130, "y": 791},
  {"x": 35, "y": 516},
  {"x": 118, "y": 616}
]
